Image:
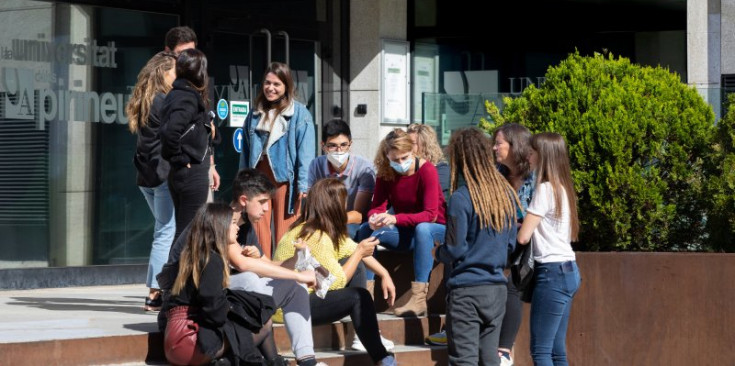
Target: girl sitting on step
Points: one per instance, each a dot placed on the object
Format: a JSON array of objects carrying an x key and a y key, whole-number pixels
[{"x": 322, "y": 228}]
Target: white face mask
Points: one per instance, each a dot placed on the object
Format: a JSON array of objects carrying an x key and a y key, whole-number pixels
[
  {"x": 401, "y": 168},
  {"x": 337, "y": 159}
]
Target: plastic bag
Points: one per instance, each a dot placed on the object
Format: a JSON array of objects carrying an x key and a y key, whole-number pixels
[{"x": 324, "y": 279}]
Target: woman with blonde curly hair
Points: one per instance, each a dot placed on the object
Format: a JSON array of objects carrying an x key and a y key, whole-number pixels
[
  {"x": 426, "y": 145},
  {"x": 417, "y": 220},
  {"x": 144, "y": 116}
]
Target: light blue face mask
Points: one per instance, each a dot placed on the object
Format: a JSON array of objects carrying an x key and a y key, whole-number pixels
[{"x": 401, "y": 168}]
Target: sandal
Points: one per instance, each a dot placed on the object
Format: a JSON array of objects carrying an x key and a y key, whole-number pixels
[{"x": 153, "y": 304}]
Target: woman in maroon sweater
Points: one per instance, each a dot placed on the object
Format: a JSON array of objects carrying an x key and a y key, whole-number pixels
[{"x": 410, "y": 187}]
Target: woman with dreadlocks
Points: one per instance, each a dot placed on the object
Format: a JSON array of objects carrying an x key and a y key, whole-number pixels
[{"x": 480, "y": 233}]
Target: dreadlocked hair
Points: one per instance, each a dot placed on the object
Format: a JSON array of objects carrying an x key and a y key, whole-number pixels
[{"x": 494, "y": 200}]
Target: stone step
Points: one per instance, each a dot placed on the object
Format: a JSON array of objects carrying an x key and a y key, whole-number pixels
[
  {"x": 147, "y": 348},
  {"x": 339, "y": 335},
  {"x": 405, "y": 355}
]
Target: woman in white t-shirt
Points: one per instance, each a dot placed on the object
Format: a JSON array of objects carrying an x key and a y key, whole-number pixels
[{"x": 553, "y": 223}]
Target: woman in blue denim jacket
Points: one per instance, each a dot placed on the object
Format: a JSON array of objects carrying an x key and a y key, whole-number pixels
[{"x": 279, "y": 140}]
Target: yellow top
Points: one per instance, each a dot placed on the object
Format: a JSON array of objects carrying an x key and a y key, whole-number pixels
[{"x": 322, "y": 249}]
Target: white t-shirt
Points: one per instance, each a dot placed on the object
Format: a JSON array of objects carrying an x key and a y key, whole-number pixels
[{"x": 552, "y": 237}]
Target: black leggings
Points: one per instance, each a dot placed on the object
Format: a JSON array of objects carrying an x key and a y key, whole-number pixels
[
  {"x": 189, "y": 189},
  {"x": 357, "y": 303},
  {"x": 512, "y": 318}
]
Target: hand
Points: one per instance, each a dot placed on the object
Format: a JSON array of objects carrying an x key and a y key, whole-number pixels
[
  {"x": 251, "y": 251},
  {"x": 299, "y": 244},
  {"x": 367, "y": 246},
  {"x": 307, "y": 277},
  {"x": 188, "y": 165},
  {"x": 389, "y": 289},
  {"x": 214, "y": 178}
]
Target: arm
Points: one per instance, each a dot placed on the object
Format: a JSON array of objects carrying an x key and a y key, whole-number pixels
[
  {"x": 530, "y": 222},
  {"x": 363, "y": 250},
  {"x": 541, "y": 203},
  {"x": 431, "y": 190},
  {"x": 211, "y": 296},
  {"x": 304, "y": 150},
  {"x": 458, "y": 221},
  {"x": 389, "y": 289},
  {"x": 365, "y": 189},
  {"x": 182, "y": 111},
  {"x": 213, "y": 175},
  {"x": 263, "y": 268},
  {"x": 245, "y": 153},
  {"x": 380, "y": 197}
]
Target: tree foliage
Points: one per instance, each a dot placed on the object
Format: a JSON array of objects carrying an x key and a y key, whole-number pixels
[{"x": 647, "y": 158}]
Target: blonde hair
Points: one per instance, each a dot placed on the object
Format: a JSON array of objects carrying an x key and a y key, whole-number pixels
[
  {"x": 494, "y": 200},
  {"x": 209, "y": 233},
  {"x": 398, "y": 140},
  {"x": 427, "y": 142},
  {"x": 151, "y": 81},
  {"x": 553, "y": 167}
]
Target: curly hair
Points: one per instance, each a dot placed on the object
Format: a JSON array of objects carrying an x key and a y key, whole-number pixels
[
  {"x": 151, "y": 81},
  {"x": 398, "y": 140},
  {"x": 427, "y": 143}
]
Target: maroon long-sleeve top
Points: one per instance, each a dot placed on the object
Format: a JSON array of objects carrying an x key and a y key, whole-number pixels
[{"x": 415, "y": 199}]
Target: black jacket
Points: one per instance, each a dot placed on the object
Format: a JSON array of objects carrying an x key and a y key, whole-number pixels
[
  {"x": 185, "y": 131},
  {"x": 152, "y": 168}
]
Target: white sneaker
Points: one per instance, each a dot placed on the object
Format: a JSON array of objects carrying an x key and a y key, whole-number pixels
[
  {"x": 387, "y": 343},
  {"x": 506, "y": 361}
]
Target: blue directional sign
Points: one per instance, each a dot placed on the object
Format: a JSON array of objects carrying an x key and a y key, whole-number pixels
[
  {"x": 222, "y": 109},
  {"x": 237, "y": 140}
]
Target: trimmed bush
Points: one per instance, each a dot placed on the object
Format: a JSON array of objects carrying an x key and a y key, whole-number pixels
[{"x": 645, "y": 153}]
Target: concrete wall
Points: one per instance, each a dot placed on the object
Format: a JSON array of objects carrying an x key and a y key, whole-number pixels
[{"x": 370, "y": 22}]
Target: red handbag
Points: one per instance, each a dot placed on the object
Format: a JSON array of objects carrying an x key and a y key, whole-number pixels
[{"x": 180, "y": 338}]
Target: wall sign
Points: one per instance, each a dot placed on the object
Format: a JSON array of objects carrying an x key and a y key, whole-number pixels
[{"x": 394, "y": 82}]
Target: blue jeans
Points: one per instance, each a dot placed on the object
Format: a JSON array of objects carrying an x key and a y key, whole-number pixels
[
  {"x": 556, "y": 284},
  {"x": 162, "y": 207},
  {"x": 420, "y": 239}
]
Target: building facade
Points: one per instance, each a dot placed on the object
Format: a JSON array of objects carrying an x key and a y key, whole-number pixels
[{"x": 67, "y": 184}]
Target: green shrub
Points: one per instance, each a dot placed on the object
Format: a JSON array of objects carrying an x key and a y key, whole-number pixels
[{"x": 643, "y": 148}]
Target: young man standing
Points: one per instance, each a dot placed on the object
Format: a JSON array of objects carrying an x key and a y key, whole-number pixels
[
  {"x": 356, "y": 172},
  {"x": 179, "y": 39}
]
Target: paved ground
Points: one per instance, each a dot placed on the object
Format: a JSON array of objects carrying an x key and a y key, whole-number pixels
[{"x": 75, "y": 312}]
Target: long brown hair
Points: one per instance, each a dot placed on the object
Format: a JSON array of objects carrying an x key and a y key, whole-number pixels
[
  {"x": 553, "y": 167},
  {"x": 151, "y": 81},
  {"x": 283, "y": 72},
  {"x": 324, "y": 211},
  {"x": 428, "y": 144},
  {"x": 209, "y": 233},
  {"x": 398, "y": 140},
  {"x": 519, "y": 139},
  {"x": 493, "y": 198}
]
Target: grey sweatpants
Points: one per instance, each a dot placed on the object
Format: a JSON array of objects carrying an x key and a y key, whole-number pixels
[
  {"x": 474, "y": 317},
  {"x": 292, "y": 298}
]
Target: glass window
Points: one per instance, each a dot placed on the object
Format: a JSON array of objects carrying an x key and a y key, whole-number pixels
[{"x": 67, "y": 183}]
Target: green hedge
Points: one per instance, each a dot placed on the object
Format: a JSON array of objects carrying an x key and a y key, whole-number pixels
[{"x": 647, "y": 158}]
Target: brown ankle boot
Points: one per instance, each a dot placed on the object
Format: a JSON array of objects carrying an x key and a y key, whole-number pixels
[
  {"x": 416, "y": 305},
  {"x": 371, "y": 288}
]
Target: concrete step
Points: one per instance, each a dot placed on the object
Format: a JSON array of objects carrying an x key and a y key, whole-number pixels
[
  {"x": 339, "y": 335},
  {"x": 147, "y": 348}
]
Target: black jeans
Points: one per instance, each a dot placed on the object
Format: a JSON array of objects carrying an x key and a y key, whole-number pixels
[
  {"x": 512, "y": 318},
  {"x": 357, "y": 303},
  {"x": 189, "y": 188}
]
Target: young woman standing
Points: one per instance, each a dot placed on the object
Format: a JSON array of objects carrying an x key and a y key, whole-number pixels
[
  {"x": 144, "y": 119},
  {"x": 552, "y": 221},
  {"x": 278, "y": 140}
]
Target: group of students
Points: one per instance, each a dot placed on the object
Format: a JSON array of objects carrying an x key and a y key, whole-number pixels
[{"x": 226, "y": 273}]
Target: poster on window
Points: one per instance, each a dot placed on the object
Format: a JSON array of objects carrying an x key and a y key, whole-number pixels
[{"x": 395, "y": 82}]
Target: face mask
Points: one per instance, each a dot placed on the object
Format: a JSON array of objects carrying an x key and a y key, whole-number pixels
[
  {"x": 401, "y": 168},
  {"x": 337, "y": 159}
]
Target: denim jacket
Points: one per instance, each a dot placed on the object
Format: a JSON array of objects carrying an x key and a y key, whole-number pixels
[{"x": 290, "y": 156}]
